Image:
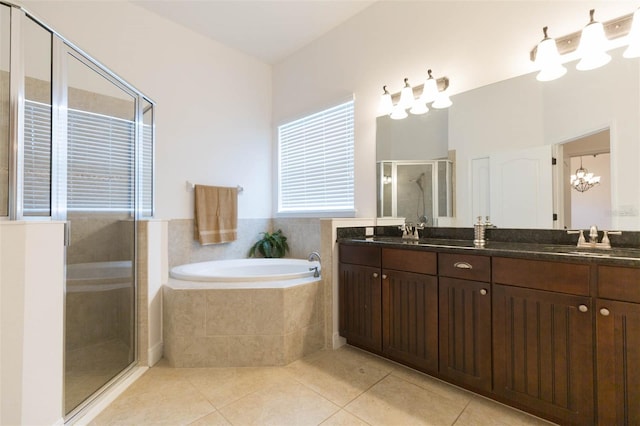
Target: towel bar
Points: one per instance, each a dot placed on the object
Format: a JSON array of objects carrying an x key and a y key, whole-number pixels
[{"x": 191, "y": 186}]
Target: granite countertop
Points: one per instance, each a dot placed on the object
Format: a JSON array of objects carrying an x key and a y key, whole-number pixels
[{"x": 615, "y": 256}]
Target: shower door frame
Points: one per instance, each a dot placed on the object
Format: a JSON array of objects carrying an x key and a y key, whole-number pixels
[
  {"x": 63, "y": 52},
  {"x": 60, "y": 48}
]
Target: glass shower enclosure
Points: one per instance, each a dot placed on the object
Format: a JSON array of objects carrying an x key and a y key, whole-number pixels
[
  {"x": 76, "y": 145},
  {"x": 418, "y": 191}
]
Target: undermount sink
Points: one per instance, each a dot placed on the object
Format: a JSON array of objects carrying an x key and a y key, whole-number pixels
[
  {"x": 614, "y": 252},
  {"x": 588, "y": 253}
]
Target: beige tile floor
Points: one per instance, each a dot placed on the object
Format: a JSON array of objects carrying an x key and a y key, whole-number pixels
[{"x": 342, "y": 387}]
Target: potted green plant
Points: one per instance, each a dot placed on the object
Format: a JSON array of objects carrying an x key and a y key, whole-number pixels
[{"x": 270, "y": 245}]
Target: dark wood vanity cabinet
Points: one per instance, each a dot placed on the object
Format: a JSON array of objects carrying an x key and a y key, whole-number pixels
[
  {"x": 360, "y": 297},
  {"x": 410, "y": 308},
  {"x": 618, "y": 345},
  {"x": 465, "y": 319},
  {"x": 559, "y": 339},
  {"x": 542, "y": 339}
]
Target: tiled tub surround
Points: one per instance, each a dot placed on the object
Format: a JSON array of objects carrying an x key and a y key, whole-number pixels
[
  {"x": 242, "y": 327},
  {"x": 303, "y": 236}
]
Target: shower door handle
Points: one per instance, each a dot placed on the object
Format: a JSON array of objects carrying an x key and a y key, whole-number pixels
[{"x": 67, "y": 233}]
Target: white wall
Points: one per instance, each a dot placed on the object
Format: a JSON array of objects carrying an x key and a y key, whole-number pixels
[
  {"x": 31, "y": 327},
  {"x": 213, "y": 103},
  {"x": 473, "y": 43}
]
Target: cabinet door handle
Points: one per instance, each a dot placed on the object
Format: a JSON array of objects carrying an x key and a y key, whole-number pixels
[
  {"x": 604, "y": 312},
  {"x": 384, "y": 276},
  {"x": 483, "y": 291},
  {"x": 375, "y": 275},
  {"x": 462, "y": 265},
  {"x": 583, "y": 308}
]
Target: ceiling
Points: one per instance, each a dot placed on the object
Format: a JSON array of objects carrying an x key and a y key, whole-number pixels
[{"x": 269, "y": 30}]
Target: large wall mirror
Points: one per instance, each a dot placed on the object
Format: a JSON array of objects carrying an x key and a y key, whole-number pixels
[{"x": 516, "y": 143}]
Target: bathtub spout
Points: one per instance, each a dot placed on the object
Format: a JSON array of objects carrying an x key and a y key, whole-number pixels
[{"x": 314, "y": 255}]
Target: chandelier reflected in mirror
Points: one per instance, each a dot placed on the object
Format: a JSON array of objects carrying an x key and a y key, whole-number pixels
[{"x": 583, "y": 180}]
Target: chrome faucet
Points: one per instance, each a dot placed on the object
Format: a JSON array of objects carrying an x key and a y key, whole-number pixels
[
  {"x": 593, "y": 234},
  {"x": 410, "y": 231},
  {"x": 593, "y": 238},
  {"x": 314, "y": 255}
]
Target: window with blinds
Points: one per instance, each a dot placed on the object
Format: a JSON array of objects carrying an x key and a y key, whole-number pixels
[
  {"x": 315, "y": 162},
  {"x": 100, "y": 161},
  {"x": 37, "y": 159}
]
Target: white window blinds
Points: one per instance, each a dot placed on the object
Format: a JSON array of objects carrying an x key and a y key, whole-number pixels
[
  {"x": 315, "y": 158},
  {"x": 37, "y": 159},
  {"x": 100, "y": 161}
]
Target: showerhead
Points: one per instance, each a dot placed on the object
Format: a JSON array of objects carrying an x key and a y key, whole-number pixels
[{"x": 418, "y": 181}]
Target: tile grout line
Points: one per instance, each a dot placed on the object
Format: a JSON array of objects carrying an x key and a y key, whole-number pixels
[
  {"x": 462, "y": 411},
  {"x": 367, "y": 390}
]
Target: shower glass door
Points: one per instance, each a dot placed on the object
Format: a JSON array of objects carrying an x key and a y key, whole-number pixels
[{"x": 99, "y": 201}]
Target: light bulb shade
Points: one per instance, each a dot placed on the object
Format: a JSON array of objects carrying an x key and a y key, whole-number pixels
[
  {"x": 548, "y": 61},
  {"x": 633, "y": 49},
  {"x": 429, "y": 90},
  {"x": 398, "y": 112},
  {"x": 386, "y": 104},
  {"x": 419, "y": 107},
  {"x": 442, "y": 100},
  {"x": 593, "y": 46},
  {"x": 406, "y": 96}
]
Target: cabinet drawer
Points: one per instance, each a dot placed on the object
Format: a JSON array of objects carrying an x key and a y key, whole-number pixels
[
  {"x": 619, "y": 283},
  {"x": 420, "y": 262},
  {"x": 465, "y": 266},
  {"x": 542, "y": 275},
  {"x": 360, "y": 255}
]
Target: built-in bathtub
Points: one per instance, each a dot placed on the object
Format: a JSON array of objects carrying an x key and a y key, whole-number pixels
[
  {"x": 99, "y": 276},
  {"x": 242, "y": 312}
]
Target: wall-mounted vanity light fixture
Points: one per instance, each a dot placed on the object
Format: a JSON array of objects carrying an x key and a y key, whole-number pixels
[
  {"x": 433, "y": 91},
  {"x": 591, "y": 44}
]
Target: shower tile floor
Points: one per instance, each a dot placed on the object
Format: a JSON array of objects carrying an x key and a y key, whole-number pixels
[{"x": 342, "y": 387}]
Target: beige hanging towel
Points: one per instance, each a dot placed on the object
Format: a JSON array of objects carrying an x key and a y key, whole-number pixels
[{"x": 216, "y": 214}]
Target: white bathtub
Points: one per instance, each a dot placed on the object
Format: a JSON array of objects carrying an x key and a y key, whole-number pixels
[
  {"x": 244, "y": 273},
  {"x": 242, "y": 313}
]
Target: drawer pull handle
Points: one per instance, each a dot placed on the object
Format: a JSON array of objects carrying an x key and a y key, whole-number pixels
[
  {"x": 583, "y": 308},
  {"x": 462, "y": 265},
  {"x": 483, "y": 291},
  {"x": 384, "y": 276},
  {"x": 604, "y": 312},
  {"x": 375, "y": 275}
]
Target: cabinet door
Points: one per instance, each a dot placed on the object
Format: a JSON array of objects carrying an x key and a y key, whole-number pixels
[
  {"x": 410, "y": 318},
  {"x": 543, "y": 352},
  {"x": 360, "y": 301},
  {"x": 618, "y": 352},
  {"x": 465, "y": 332}
]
